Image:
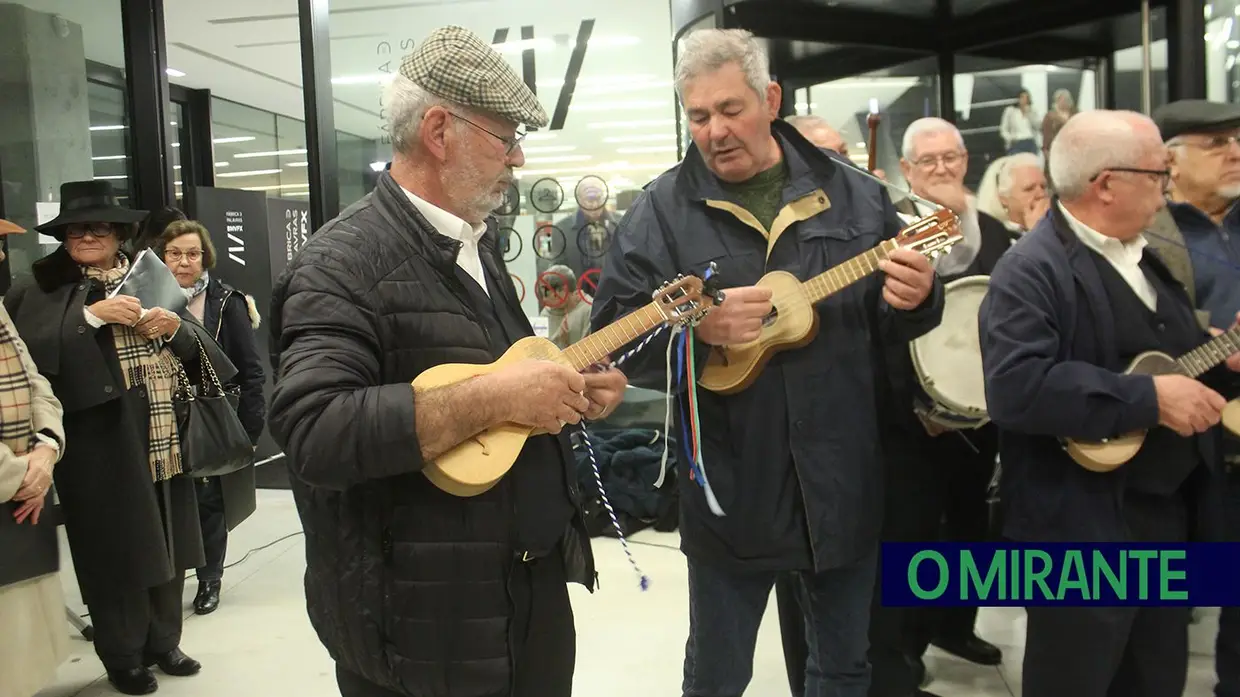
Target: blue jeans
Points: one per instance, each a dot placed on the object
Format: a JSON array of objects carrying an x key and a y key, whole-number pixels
[
  {"x": 1227, "y": 647},
  {"x": 726, "y": 607}
]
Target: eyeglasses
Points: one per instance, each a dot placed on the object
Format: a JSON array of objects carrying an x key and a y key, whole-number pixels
[
  {"x": 96, "y": 230},
  {"x": 175, "y": 255},
  {"x": 1164, "y": 175},
  {"x": 931, "y": 161},
  {"x": 1211, "y": 144},
  {"x": 510, "y": 144}
]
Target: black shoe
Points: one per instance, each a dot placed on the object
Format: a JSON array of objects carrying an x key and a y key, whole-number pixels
[
  {"x": 972, "y": 649},
  {"x": 175, "y": 662},
  {"x": 135, "y": 681},
  {"x": 208, "y": 598}
]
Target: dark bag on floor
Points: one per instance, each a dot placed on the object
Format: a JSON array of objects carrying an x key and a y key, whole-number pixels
[{"x": 213, "y": 441}]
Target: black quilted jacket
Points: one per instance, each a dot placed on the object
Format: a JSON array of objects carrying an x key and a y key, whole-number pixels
[{"x": 405, "y": 585}]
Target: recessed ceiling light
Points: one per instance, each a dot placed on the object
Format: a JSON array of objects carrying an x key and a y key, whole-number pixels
[
  {"x": 234, "y": 139},
  {"x": 271, "y": 153},
  {"x": 107, "y": 128},
  {"x": 173, "y": 72}
]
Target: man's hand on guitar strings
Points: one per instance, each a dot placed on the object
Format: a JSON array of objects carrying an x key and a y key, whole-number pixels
[
  {"x": 605, "y": 389},
  {"x": 739, "y": 319},
  {"x": 909, "y": 279}
]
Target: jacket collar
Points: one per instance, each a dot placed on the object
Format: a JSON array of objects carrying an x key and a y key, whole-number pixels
[
  {"x": 809, "y": 168},
  {"x": 407, "y": 221}
]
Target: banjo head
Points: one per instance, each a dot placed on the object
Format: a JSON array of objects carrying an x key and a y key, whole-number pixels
[{"x": 948, "y": 358}]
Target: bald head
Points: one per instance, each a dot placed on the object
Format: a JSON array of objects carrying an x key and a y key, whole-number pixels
[
  {"x": 817, "y": 131},
  {"x": 1094, "y": 141},
  {"x": 1110, "y": 171}
]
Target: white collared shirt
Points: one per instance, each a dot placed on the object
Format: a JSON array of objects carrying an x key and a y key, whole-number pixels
[
  {"x": 449, "y": 225},
  {"x": 1125, "y": 257}
]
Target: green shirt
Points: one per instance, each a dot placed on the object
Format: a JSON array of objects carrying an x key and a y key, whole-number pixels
[{"x": 762, "y": 193}]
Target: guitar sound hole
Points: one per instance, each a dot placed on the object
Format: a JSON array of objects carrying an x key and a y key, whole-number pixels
[{"x": 771, "y": 318}]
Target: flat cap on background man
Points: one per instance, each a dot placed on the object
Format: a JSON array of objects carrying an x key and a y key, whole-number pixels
[
  {"x": 1195, "y": 116},
  {"x": 455, "y": 64}
]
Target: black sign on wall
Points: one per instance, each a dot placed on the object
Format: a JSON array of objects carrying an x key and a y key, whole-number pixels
[
  {"x": 243, "y": 233},
  {"x": 289, "y": 221}
]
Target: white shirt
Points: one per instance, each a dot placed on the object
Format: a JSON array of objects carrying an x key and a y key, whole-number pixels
[
  {"x": 449, "y": 225},
  {"x": 963, "y": 252},
  {"x": 1016, "y": 125},
  {"x": 1125, "y": 257}
]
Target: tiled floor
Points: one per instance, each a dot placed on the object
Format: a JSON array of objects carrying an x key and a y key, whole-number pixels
[{"x": 260, "y": 644}]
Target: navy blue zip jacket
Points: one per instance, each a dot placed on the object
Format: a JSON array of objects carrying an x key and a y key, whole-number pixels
[{"x": 794, "y": 459}]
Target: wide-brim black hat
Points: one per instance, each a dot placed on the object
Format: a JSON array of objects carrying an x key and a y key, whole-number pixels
[{"x": 92, "y": 201}]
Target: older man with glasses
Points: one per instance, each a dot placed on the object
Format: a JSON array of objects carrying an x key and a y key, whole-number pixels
[
  {"x": 1204, "y": 143},
  {"x": 1072, "y": 304}
]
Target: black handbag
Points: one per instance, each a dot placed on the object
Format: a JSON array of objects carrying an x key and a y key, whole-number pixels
[{"x": 213, "y": 441}]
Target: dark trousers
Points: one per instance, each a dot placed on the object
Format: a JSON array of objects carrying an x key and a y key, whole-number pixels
[
  {"x": 131, "y": 625},
  {"x": 214, "y": 527},
  {"x": 1114, "y": 651},
  {"x": 726, "y": 608},
  {"x": 1227, "y": 647},
  {"x": 542, "y": 636}
]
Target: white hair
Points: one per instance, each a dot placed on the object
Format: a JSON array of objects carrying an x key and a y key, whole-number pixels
[
  {"x": 923, "y": 127},
  {"x": 1089, "y": 143},
  {"x": 997, "y": 182},
  {"x": 406, "y": 103},
  {"x": 806, "y": 121},
  {"x": 707, "y": 50}
]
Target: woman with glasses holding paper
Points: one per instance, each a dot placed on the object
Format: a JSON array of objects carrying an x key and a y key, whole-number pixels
[
  {"x": 232, "y": 318},
  {"x": 130, "y": 512}
]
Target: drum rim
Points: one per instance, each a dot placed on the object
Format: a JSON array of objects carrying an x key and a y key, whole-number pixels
[{"x": 964, "y": 411}]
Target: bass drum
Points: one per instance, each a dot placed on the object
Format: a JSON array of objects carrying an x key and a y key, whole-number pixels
[{"x": 948, "y": 360}]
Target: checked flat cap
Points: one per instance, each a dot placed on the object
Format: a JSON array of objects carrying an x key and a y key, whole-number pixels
[{"x": 455, "y": 64}]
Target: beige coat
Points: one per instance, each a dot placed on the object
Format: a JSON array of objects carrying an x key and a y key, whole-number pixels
[{"x": 34, "y": 640}]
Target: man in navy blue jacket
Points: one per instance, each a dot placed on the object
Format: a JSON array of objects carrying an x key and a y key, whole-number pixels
[
  {"x": 794, "y": 459},
  {"x": 1069, "y": 307}
]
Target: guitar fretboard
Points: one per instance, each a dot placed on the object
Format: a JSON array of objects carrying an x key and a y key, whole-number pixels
[
  {"x": 1210, "y": 354},
  {"x": 614, "y": 336},
  {"x": 840, "y": 277}
]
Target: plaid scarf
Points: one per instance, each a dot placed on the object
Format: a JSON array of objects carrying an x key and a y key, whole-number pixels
[
  {"x": 16, "y": 415},
  {"x": 154, "y": 367}
]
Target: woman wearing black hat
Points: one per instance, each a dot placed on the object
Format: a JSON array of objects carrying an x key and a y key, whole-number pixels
[{"x": 130, "y": 512}]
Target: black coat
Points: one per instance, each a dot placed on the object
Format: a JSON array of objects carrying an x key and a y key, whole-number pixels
[
  {"x": 405, "y": 584},
  {"x": 111, "y": 507},
  {"x": 802, "y": 440},
  {"x": 1053, "y": 371},
  {"x": 232, "y": 319}
]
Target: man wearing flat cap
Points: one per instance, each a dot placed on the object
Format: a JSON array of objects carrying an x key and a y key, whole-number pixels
[
  {"x": 1203, "y": 139},
  {"x": 416, "y": 591}
]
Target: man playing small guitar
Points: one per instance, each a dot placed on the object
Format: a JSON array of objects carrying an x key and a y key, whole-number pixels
[
  {"x": 793, "y": 458},
  {"x": 1069, "y": 307}
]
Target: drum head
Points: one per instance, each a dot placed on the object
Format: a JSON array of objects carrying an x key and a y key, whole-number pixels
[{"x": 948, "y": 359}]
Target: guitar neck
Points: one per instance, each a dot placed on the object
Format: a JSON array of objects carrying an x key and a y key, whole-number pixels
[
  {"x": 598, "y": 345},
  {"x": 1210, "y": 354},
  {"x": 826, "y": 284}
]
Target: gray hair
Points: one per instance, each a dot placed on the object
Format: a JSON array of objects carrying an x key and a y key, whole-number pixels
[
  {"x": 805, "y": 121},
  {"x": 707, "y": 50},
  {"x": 406, "y": 103},
  {"x": 926, "y": 126},
  {"x": 1003, "y": 182},
  {"x": 1062, "y": 92},
  {"x": 1089, "y": 143},
  {"x": 559, "y": 277}
]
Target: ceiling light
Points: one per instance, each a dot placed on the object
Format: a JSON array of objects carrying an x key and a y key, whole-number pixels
[
  {"x": 599, "y": 80},
  {"x": 378, "y": 166},
  {"x": 297, "y": 164},
  {"x": 111, "y": 157},
  {"x": 176, "y": 145},
  {"x": 271, "y": 153},
  {"x": 647, "y": 148},
  {"x": 221, "y": 164},
  {"x": 234, "y": 139},
  {"x": 177, "y": 182},
  {"x": 114, "y": 176},
  {"x": 861, "y": 145},
  {"x": 548, "y": 148},
  {"x": 619, "y": 106},
  {"x": 559, "y": 158},
  {"x": 640, "y": 139},
  {"x": 633, "y": 124},
  {"x": 107, "y": 128},
  {"x": 1233, "y": 44},
  {"x": 276, "y": 187},
  {"x": 373, "y": 79},
  {"x": 173, "y": 72},
  {"x": 250, "y": 173}
]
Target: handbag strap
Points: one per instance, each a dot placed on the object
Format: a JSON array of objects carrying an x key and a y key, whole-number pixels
[{"x": 206, "y": 370}]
